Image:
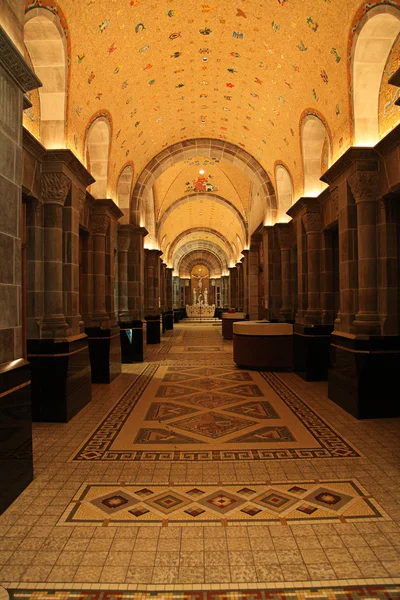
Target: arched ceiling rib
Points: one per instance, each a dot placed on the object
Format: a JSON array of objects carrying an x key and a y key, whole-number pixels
[
  {"x": 200, "y": 234},
  {"x": 196, "y": 257}
]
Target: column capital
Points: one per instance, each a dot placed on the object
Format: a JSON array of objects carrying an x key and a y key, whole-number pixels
[
  {"x": 311, "y": 222},
  {"x": 364, "y": 185},
  {"x": 285, "y": 235},
  {"x": 124, "y": 240},
  {"x": 99, "y": 224},
  {"x": 55, "y": 187}
]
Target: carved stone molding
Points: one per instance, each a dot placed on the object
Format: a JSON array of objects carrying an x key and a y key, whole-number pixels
[
  {"x": 32, "y": 145},
  {"x": 69, "y": 159},
  {"x": 285, "y": 237},
  {"x": 55, "y": 187},
  {"x": 81, "y": 200},
  {"x": 334, "y": 195},
  {"x": 15, "y": 65},
  {"x": 312, "y": 222},
  {"x": 124, "y": 240},
  {"x": 364, "y": 185},
  {"x": 99, "y": 224}
]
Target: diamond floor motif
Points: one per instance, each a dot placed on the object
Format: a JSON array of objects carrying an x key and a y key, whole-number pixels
[{"x": 212, "y": 425}]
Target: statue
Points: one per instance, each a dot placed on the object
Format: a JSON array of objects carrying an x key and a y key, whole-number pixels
[
  {"x": 199, "y": 281},
  {"x": 194, "y": 296},
  {"x": 205, "y": 297}
]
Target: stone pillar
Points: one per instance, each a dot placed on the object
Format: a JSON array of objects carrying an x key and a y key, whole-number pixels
[
  {"x": 102, "y": 329},
  {"x": 16, "y": 78},
  {"x": 239, "y": 281},
  {"x": 152, "y": 295},
  {"x": 286, "y": 241},
  {"x": 312, "y": 226},
  {"x": 224, "y": 291},
  {"x": 131, "y": 293},
  {"x": 233, "y": 299},
  {"x": 169, "y": 318},
  {"x": 245, "y": 270},
  {"x": 272, "y": 273},
  {"x": 364, "y": 187},
  {"x": 252, "y": 277},
  {"x": 124, "y": 241}
]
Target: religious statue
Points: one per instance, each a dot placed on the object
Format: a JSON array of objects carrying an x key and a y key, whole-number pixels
[
  {"x": 194, "y": 296},
  {"x": 199, "y": 280},
  {"x": 205, "y": 297}
]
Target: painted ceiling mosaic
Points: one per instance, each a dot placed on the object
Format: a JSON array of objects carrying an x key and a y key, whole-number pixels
[{"x": 244, "y": 72}]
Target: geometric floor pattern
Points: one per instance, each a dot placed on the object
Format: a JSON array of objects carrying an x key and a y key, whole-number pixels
[
  {"x": 290, "y": 502},
  {"x": 359, "y": 592},
  {"x": 211, "y": 413}
]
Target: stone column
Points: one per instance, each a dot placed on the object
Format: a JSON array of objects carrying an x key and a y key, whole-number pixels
[
  {"x": 136, "y": 272},
  {"x": 312, "y": 226},
  {"x": 364, "y": 187},
  {"x": 124, "y": 242},
  {"x": 98, "y": 230},
  {"x": 252, "y": 278},
  {"x": 169, "y": 318},
  {"x": 224, "y": 291},
  {"x": 286, "y": 240},
  {"x": 55, "y": 187},
  {"x": 233, "y": 298},
  {"x": 152, "y": 295},
  {"x": 239, "y": 267}
]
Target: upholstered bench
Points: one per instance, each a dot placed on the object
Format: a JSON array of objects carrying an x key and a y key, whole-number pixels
[
  {"x": 263, "y": 345},
  {"x": 228, "y": 319}
]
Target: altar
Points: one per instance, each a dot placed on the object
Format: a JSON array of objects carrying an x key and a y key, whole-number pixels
[{"x": 200, "y": 310}]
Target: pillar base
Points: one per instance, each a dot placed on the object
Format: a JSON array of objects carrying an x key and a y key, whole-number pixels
[
  {"x": 169, "y": 320},
  {"x": 61, "y": 382},
  {"x": 105, "y": 353},
  {"x": 153, "y": 329},
  {"x": 363, "y": 375},
  {"x": 177, "y": 315},
  {"x": 311, "y": 351},
  {"x": 16, "y": 461},
  {"x": 132, "y": 335}
]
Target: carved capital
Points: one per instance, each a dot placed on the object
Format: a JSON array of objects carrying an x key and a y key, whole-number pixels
[
  {"x": 334, "y": 196},
  {"x": 99, "y": 224},
  {"x": 285, "y": 238},
  {"x": 364, "y": 185},
  {"x": 55, "y": 187},
  {"x": 312, "y": 222},
  {"x": 81, "y": 200}
]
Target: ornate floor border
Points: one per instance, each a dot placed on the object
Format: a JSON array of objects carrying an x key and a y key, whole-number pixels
[
  {"x": 97, "y": 445},
  {"x": 105, "y": 592}
]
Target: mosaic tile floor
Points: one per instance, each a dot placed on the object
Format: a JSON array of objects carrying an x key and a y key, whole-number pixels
[{"x": 334, "y": 552}]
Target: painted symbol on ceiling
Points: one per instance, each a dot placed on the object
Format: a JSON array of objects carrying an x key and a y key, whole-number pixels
[
  {"x": 134, "y": 2},
  {"x": 76, "y": 142},
  {"x": 99, "y": 95},
  {"x": 337, "y": 110},
  {"x": 112, "y": 48},
  {"x": 291, "y": 131},
  {"x": 180, "y": 85},
  {"x": 152, "y": 81},
  {"x": 81, "y": 57},
  {"x": 204, "y": 50},
  {"x": 238, "y": 35},
  {"x": 146, "y": 47},
  {"x": 206, "y": 8},
  {"x": 137, "y": 123},
  {"x": 125, "y": 84},
  {"x": 315, "y": 94},
  {"x": 117, "y": 69},
  {"x": 281, "y": 99},
  {"x": 91, "y": 77},
  {"x": 312, "y": 24},
  {"x": 240, "y": 13},
  {"x": 139, "y": 27},
  {"x": 174, "y": 36},
  {"x": 228, "y": 98},
  {"x": 251, "y": 106},
  {"x": 172, "y": 12},
  {"x": 336, "y": 55},
  {"x": 275, "y": 26},
  {"x": 282, "y": 2},
  {"x": 324, "y": 76},
  {"x": 301, "y": 46},
  {"x": 231, "y": 70},
  {"x": 104, "y": 25},
  {"x": 175, "y": 55},
  {"x": 257, "y": 80},
  {"x": 296, "y": 68},
  {"x": 205, "y": 31},
  {"x": 178, "y": 71},
  {"x": 147, "y": 67},
  {"x": 235, "y": 54},
  {"x": 79, "y": 110},
  {"x": 230, "y": 85},
  {"x": 201, "y": 185}
]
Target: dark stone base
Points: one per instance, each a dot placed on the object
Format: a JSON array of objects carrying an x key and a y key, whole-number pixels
[
  {"x": 133, "y": 345},
  {"x": 363, "y": 376},
  {"x": 61, "y": 379},
  {"x": 16, "y": 462},
  {"x": 153, "y": 335},
  {"x": 311, "y": 351},
  {"x": 177, "y": 315},
  {"x": 105, "y": 353},
  {"x": 263, "y": 352},
  {"x": 227, "y": 327},
  {"x": 169, "y": 320}
]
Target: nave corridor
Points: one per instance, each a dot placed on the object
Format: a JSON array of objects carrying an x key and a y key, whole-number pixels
[{"x": 187, "y": 473}]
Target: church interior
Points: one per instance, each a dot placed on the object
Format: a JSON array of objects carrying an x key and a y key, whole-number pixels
[{"x": 199, "y": 300}]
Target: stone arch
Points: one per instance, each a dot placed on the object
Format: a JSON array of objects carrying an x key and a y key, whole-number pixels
[
  {"x": 208, "y": 147},
  {"x": 204, "y": 196},
  {"x": 207, "y": 258},
  {"x": 188, "y": 232},
  {"x": 199, "y": 246},
  {"x": 372, "y": 35},
  {"x": 97, "y": 152},
  {"x": 45, "y": 38},
  {"x": 124, "y": 187},
  {"x": 284, "y": 189},
  {"x": 315, "y": 144}
]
